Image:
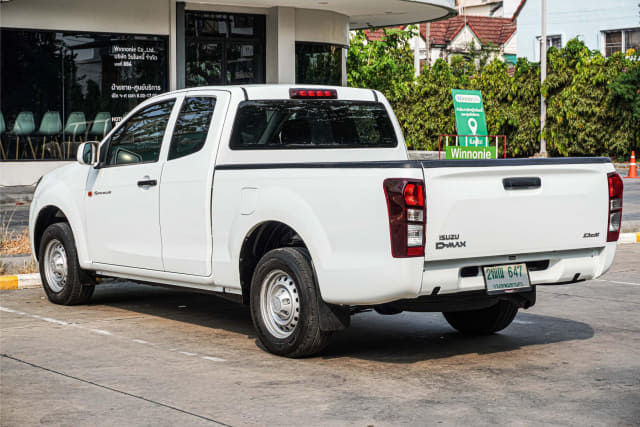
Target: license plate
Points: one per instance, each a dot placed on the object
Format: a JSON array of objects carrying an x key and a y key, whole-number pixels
[{"x": 506, "y": 278}]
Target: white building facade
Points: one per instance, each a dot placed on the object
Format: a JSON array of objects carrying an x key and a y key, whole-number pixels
[
  {"x": 71, "y": 69},
  {"x": 609, "y": 27}
]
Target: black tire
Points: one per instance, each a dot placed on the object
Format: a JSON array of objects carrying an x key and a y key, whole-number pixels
[
  {"x": 78, "y": 285},
  {"x": 484, "y": 321},
  {"x": 305, "y": 337}
]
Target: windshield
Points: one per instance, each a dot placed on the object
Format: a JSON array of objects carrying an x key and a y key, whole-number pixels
[{"x": 295, "y": 124}]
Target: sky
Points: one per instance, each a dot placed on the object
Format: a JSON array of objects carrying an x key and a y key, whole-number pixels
[{"x": 509, "y": 7}]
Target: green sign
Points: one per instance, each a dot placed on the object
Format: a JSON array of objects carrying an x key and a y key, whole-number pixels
[
  {"x": 470, "y": 119},
  {"x": 471, "y": 153}
]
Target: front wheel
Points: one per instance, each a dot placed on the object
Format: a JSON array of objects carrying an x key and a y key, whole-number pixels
[
  {"x": 484, "y": 321},
  {"x": 284, "y": 304},
  {"x": 63, "y": 280}
]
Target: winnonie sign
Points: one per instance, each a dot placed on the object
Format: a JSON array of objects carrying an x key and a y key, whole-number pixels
[{"x": 470, "y": 121}]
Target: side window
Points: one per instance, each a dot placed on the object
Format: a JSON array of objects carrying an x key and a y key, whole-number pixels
[
  {"x": 192, "y": 126},
  {"x": 140, "y": 138}
]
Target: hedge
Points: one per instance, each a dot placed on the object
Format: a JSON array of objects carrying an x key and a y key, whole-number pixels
[{"x": 593, "y": 103}]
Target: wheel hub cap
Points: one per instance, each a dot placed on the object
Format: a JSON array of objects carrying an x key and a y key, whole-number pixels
[
  {"x": 280, "y": 304},
  {"x": 55, "y": 264}
]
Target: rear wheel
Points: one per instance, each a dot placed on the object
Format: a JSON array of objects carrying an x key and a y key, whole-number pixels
[
  {"x": 63, "y": 280},
  {"x": 484, "y": 321},
  {"x": 284, "y": 304}
]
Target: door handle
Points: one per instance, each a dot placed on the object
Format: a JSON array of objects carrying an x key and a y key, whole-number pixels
[
  {"x": 528, "y": 183},
  {"x": 147, "y": 183}
]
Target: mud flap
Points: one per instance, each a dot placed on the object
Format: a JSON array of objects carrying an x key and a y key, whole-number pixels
[{"x": 333, "y": 317}]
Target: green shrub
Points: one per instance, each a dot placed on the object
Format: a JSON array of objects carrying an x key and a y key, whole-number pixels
[{"x": 593, "y": 103}]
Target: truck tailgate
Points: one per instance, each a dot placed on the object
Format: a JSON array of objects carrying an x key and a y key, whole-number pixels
[{"x": 501, "y": 210}]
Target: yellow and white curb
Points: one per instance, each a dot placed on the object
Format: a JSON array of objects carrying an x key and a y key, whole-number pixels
[
  {"x": 629, "y": 238},
  {"x": 20, "y": 281}
]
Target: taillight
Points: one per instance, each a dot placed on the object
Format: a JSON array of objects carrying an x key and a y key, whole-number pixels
[
  {"x": 299, "y": 93},
  {"x": 405, "y": 203},
  {"x": 615, "y": 206}
]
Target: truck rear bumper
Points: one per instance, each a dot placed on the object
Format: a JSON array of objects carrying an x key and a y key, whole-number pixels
[
  {"x": 463, "y": 301},
  {"x": 545, "y": 268}
]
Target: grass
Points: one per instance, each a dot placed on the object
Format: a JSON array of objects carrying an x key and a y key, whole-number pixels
[
  {"x": 15, "y": 243},
  {"x": 27, "y": 266}
]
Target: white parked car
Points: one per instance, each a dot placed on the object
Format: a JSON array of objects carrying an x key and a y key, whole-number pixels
[{"x": 302, "y": 203}]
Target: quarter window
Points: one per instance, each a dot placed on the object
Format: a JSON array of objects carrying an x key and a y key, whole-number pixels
[
  {"x": 139, "y": 139},
  {"x": 192, "y": 126}
]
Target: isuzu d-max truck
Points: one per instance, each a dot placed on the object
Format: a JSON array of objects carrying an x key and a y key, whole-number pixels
[{"x": 302, "y": 203}]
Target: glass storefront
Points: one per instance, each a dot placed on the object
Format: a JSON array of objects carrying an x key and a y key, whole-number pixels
[
  {"x": 59, "y": 89},
  {"x": 318, "y": 63},
  {"x": 222, "y": 49}
]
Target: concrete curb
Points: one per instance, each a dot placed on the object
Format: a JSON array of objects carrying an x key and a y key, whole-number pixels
[
  {"x": 629, "y": 238},
  {"x": 20, "y": 281}
]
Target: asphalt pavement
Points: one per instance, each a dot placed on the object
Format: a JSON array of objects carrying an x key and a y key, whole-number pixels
[{"x": 143, "y": 355}]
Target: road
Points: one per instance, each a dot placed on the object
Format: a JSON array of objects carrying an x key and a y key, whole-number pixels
[
  {"x": 142, "y": 355},
  {"x": 631, "y": 205}
]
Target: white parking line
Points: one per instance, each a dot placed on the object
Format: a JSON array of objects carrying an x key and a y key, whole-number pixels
[
  {"x": 213, "y": 359},
  {"x": 617, "y": 282},
  {"x": 106, "y": 333},
  {"x": 34, "y": 316}
]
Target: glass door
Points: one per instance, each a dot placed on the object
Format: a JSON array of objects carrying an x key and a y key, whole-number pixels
[{"x": 223, "y": 49}]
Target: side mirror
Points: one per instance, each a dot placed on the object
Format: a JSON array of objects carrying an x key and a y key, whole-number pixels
[{"x": 88, "y": 153}]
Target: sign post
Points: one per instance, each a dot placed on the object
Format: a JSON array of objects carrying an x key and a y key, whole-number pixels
[{"x": 471, "y": 125}]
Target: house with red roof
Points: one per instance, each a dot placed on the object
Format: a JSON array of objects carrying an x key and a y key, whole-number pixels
[
  {"x": 495, "y": 35},
  {"x": 456, "y": 36}
]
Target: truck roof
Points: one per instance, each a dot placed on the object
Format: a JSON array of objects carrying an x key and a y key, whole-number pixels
[{"x": 281, "y": 91}]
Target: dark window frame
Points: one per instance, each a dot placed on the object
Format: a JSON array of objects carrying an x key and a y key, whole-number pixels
[
  {"x": 235, "y": 147},
  {"x": 302, "y": 43},
  {"x": 106, "y": 146},
  {"x": 226, "y": 41},
  {"x": 173, "y": 143},
  {"x": 609, "y": 49}
]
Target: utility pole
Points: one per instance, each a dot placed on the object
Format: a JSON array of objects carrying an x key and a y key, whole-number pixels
[
  {"x": 416, "y": 53},
  {"x": 428, "y": 45},
  {"x": 543, "y": 76}
]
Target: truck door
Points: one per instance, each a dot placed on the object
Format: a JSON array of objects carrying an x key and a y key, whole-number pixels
[
  {"x": 187, "y": 177},
  {"x": 122, "y": 203}
]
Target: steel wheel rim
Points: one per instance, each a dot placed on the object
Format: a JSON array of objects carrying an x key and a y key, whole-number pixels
[
  {"x": 279, "y": 304},
  {"x": 55, "y": 265}
]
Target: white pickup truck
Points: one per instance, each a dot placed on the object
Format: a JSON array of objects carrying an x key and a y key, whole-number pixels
[{"x": 302, "y": 203}]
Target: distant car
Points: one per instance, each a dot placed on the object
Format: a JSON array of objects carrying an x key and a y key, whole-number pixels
[{"x": 302, "y": 203}]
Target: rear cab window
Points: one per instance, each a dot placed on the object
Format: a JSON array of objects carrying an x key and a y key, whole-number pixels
[{"x": 300, "y": 124}]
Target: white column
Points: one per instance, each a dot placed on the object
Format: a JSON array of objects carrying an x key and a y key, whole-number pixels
[{"x": 281, "y": 44}]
